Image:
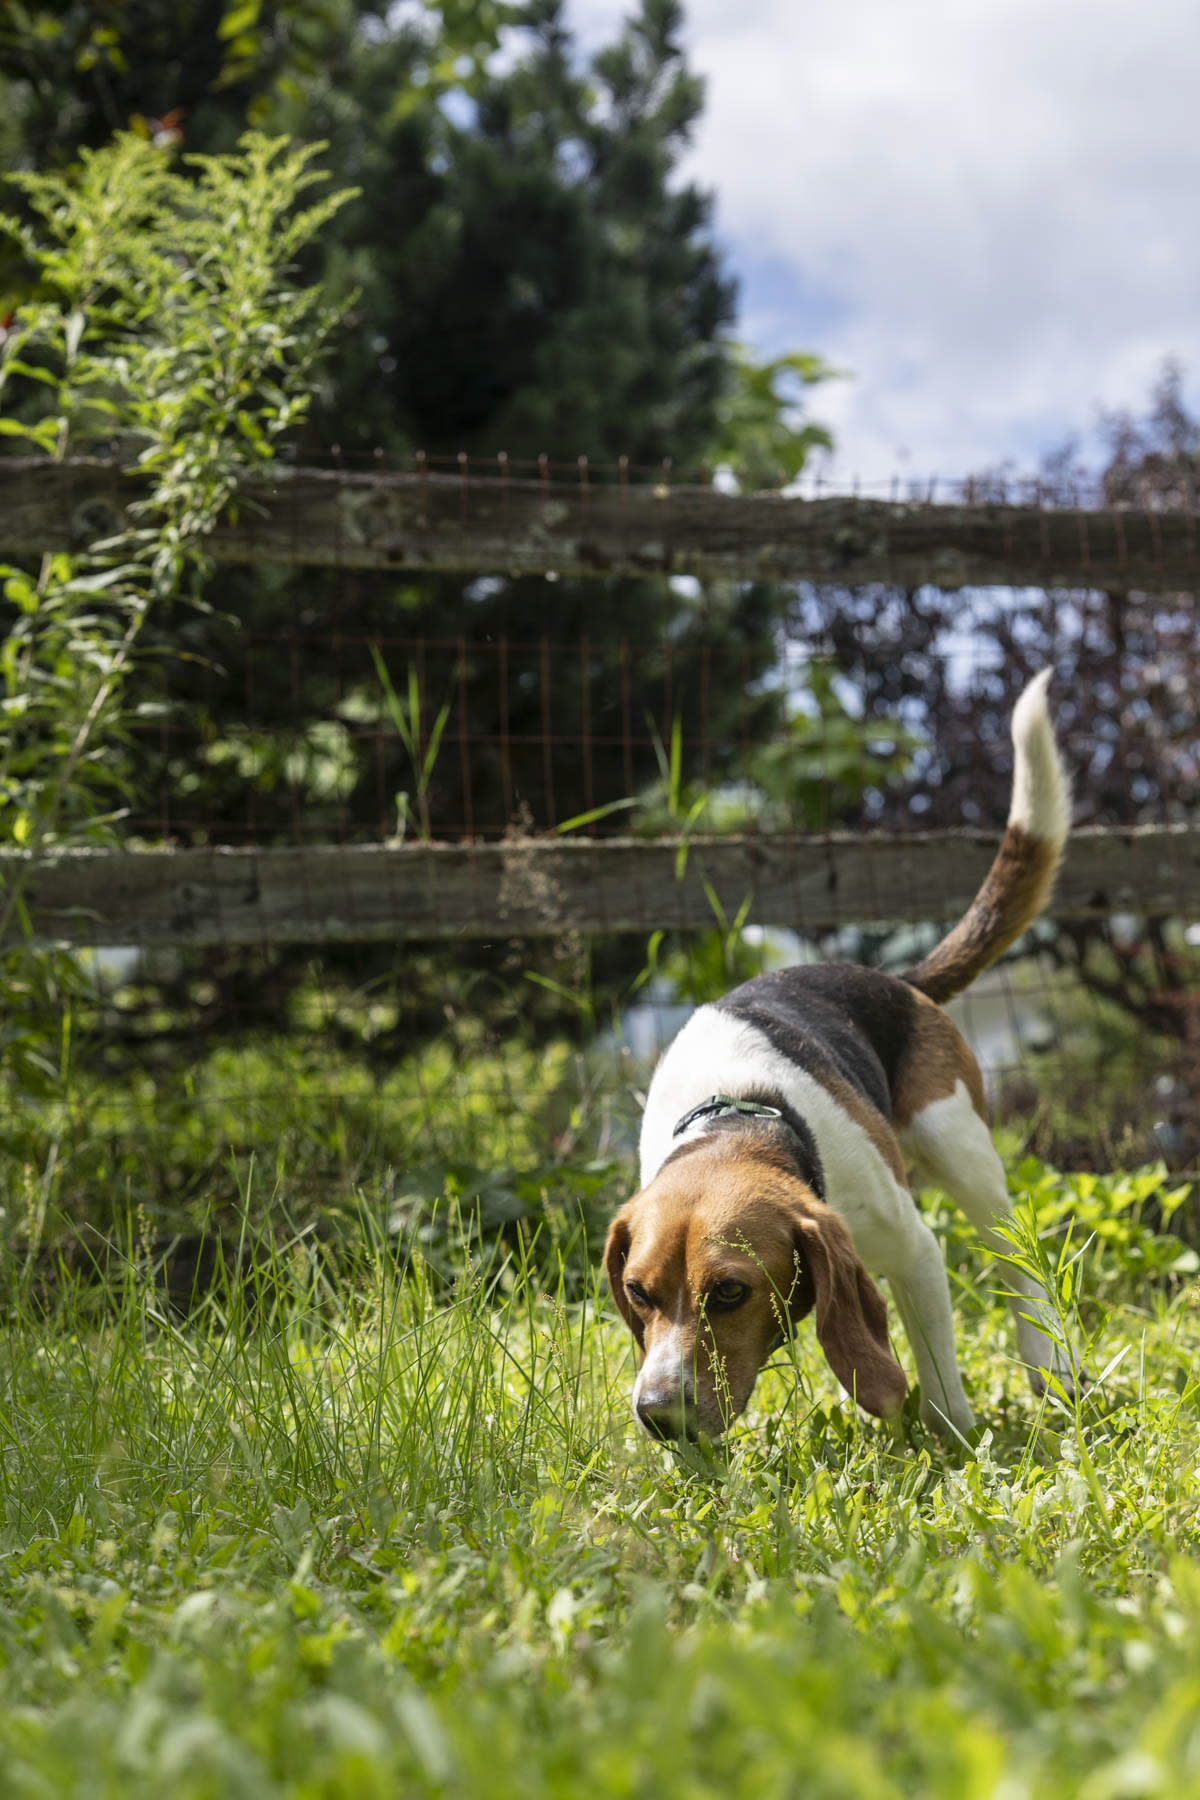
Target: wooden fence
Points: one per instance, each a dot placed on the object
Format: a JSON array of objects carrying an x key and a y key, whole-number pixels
[
  {"x": 543, "y": 886},
  {"x": 493, "y": 523},
  {"x": 540, "y": 887}
]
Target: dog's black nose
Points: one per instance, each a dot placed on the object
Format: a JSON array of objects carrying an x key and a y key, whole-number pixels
[{"x": 662, "y": 1417}]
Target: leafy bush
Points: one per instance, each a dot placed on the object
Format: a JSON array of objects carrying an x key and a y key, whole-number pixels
[
  {"x": 1105, "y": 1237},
  {"x": 166, "y": 320}
]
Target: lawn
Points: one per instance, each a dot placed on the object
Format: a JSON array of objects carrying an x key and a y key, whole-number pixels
[{"x": 348, "y": 1531}]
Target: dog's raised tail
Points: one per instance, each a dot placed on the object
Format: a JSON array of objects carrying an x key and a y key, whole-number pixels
[{"x": 1021, "y": 878}]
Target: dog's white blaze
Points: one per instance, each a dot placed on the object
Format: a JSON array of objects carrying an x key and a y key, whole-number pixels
[
  {"x": 718, "y": 1052},
  {"x": 667, "y": 1366},
  {"x": 1041, "y": 791}
]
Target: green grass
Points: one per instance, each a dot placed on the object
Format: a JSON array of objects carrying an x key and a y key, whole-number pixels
[
  {"x": 177, "y": 1145},
  {"x": 356, "y": 1533}
]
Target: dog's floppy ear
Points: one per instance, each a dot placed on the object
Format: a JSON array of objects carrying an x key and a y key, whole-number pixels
[
  {"x": 851, "y": 1315},
  {"x": 615, "y": 1252}
]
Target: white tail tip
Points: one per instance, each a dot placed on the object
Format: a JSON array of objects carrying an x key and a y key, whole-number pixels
[{"x": 1041, "y": 793}]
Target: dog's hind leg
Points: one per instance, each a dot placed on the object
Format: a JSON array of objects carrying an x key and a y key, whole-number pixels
[
  {"x": 916, "y": 1278},
  {"x": 951, "y": 1148}
]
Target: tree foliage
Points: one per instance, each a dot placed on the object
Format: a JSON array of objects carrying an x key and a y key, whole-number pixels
[
  {"x": 762, "y": 437},
  {"x": 525, "y": 269},
  {"x": 530, "y": 274}
]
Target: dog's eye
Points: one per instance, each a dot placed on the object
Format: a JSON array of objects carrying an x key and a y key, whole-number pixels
[
  {"x": 725, "y": 1295},
  {"x": 637, "y": 1293}
]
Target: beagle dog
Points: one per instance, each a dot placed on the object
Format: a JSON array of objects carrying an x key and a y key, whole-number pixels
[{"x": 778, "y": 1129}]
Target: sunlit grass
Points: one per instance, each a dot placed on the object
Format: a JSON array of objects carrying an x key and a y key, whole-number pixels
[{"x": 347, "y": 1530}]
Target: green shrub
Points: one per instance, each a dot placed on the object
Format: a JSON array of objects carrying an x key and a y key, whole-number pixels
[{"x": 167, "y": 321}]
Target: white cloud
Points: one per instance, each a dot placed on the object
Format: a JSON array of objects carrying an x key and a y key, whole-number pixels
[{"x": 985, "y": 210}]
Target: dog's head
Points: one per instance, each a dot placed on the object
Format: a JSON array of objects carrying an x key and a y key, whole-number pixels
[{"x": 714, "y": 1262}]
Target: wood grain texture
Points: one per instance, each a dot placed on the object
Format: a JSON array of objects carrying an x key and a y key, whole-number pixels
[
  {"x": 454, "y": 524},
  {"x": 544, "y": 887}
]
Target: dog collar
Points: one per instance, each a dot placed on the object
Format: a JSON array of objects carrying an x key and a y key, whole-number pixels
[
  {"x": 726, "y": 1106},
  {"x": 720, "y": 1107}
]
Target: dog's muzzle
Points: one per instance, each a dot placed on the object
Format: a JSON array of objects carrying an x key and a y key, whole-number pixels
[{"x": 666, "y": 1416}]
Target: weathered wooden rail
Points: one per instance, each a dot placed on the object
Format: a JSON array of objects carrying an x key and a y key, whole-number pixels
[
  {"x": 470, "y": 522},
  {"x": 542, "y": 887}
]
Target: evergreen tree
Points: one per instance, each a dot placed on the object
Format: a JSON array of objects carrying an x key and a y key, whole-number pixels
[{"x": 532, "y": 276}]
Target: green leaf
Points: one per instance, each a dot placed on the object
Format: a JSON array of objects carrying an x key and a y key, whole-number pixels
[
  {"x": 240, "y": 17},
  {"x": 99, "y": 583},
  {"x": 435, "y": 740},
  {"x": 15, "y": 366},
  {"x": 597, "y": 812},
  {"x": 22, "y": 591},
  {"x": 14, "y": 428}
]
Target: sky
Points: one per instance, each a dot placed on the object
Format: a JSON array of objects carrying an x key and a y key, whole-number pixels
[{"x": 985, "y": 211}]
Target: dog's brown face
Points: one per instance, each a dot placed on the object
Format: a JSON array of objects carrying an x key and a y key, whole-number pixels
[{"x": 712, "y": 1264}]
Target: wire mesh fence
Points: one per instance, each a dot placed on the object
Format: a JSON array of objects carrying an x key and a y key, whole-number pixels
[
  {"x": 490, "y": 835},
  {"x": 289, "y": 734}
]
